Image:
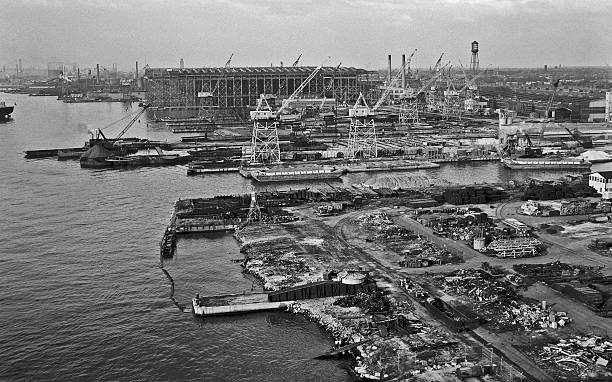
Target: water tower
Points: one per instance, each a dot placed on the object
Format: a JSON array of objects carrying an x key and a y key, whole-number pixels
[{"x": 474, "y": 61}]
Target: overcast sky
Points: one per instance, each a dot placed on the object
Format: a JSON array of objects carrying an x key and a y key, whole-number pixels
[{"x": 511, "y": 33}]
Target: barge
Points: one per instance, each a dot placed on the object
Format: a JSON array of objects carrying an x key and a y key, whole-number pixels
[
  {"x": 547, "y": 164},
  {"x": 284, "y": 174}
]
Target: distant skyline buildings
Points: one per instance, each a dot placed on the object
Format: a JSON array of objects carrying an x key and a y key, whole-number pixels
[{"x": 360, "y": 33}]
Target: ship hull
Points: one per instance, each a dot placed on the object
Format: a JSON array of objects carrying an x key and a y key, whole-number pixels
[{"x": 5, "y": 112}]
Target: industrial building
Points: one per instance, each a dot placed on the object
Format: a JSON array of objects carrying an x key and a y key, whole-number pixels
[
  {"x": 186, "y": 92},
  {"x": 601, "y": 110}
]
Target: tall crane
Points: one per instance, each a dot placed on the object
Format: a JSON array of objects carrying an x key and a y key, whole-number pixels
[
  {"x": 297, "y": 60},
  {"x": 390, "y": 88},
  {"x": 552, "y": 97},
  {"x": 265, "y": 147},
  {"x": 437, "y": 65},
  {"x": 229, "y": 60}
]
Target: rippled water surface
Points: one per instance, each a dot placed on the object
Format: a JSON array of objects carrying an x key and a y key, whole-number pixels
[{"x": 82, "y": 295}]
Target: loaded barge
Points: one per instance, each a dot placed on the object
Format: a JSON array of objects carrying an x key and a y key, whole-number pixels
[{"x": 547, "y": 164}]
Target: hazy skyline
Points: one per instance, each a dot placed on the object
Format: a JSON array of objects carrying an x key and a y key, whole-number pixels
[{"x": 511, "y": 33}]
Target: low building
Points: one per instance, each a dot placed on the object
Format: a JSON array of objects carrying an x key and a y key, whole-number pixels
[
  {"x": 601, "y": 110},
  {"x": 602, "y": 183}
]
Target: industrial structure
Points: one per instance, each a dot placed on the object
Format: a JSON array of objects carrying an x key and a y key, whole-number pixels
[
  {"x": 235, "y": 90},
  {"x": 474, "y": 62}
]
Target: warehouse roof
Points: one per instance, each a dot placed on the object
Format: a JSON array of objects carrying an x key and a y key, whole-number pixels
[
  {"x": 160, "y": 72},
  {"x": 604, "y": 174}
]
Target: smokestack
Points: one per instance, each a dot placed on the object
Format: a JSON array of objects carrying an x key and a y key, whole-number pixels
[
  {"x": 403, "y": 71},
  {"x": 389, "y": 79},
  {"x": 98, "y": 74},
  {"x": 136, "y": 71}
]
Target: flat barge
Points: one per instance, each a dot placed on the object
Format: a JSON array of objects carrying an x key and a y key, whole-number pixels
[
  {"x": 547, "y": 164},
  {"x": 287, "y": 174}
]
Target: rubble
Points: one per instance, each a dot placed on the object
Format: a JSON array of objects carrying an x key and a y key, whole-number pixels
[
  {"x": 414, "y": 250},
  {"x": 495, "y": 297},
  {"x": 584, "y": 358}
]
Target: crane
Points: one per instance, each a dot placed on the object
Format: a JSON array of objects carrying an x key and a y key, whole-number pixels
[
  {"x": 299, "y": 89},
  {"x": 585, "y": 142},
  {"x": 552, "y": 97},
  {"x": 410, "y": 59},
  {"x": 297, "y": 60},
  {"x": 390, "y": 88},
  {"x": 433, "y": 79},
  {"x": 437, "y": 66},
  {"x": 127, "y": 127},
  {"x": 229, "y": 60}
]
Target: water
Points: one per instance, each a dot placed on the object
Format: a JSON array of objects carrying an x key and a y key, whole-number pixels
[{"x": 82, "y": 296}]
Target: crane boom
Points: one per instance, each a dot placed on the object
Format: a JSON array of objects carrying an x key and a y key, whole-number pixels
[
  {"x": 229, "y": 60},
  {"x": 127, "y": 127},
  {"x": 297, "y": 60},
  {"x": 552, "y": 97},
  {"x": 299, "y": 89},
  {"x": 390, "y": 87},
  {"x": 430, "y": 81},
  {"x": 438, "y": 63}
]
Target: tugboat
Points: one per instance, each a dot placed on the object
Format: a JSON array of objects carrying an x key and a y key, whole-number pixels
[{"x": 5, "y": 111}]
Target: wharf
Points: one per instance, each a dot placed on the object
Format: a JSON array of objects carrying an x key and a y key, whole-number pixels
[{"x": 235, "y": 304}]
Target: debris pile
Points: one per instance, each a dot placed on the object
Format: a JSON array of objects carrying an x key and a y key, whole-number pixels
[
  {"x": 557, "y": 271},
  {"x": 576, "y": 358},
  {"x": 549, "y": 191},
  {"x": 415, "y": 251}
]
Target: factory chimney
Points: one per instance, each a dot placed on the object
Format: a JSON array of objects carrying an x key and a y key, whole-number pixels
[
  {"x": 182, "y": 64},
  {"x": 389, "y": 79},
  {"x": 98, "y": 74},
  {"x": 403, "y": 71}
]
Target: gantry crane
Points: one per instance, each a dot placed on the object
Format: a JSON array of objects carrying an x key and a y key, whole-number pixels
[{"x": 264, "y": 138}]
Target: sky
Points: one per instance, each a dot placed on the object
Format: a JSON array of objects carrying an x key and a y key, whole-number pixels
[{"x": 359, "y": 33}]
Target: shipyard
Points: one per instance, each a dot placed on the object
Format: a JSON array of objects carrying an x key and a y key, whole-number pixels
[{"x": 267, "y": 199}]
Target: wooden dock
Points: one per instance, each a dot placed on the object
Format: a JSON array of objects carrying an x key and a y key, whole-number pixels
[{"x": 235, "y": 304}]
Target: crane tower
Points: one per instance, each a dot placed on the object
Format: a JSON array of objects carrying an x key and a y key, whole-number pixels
[
  {"x": 264, "y": 138},
  {"x": 362, "y": 131}
]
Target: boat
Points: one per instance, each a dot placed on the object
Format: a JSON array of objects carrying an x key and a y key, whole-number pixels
[
  {"x": 5, "y": 111},
  {"x": 547, "y": 164},
  {"x": 66, "y": 154},
  {"x": 284, "y": 174},
  {"x": 212, "y": 165}
]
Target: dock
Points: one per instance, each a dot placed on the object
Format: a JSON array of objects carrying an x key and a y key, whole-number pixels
[{"x": 235, "y": 304}]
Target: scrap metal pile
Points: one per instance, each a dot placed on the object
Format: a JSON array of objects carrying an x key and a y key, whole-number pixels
[
  {"x": 496, "y": 297},
  {"x": 576, "y": 358},
  {"x": 415, "y": 250}
]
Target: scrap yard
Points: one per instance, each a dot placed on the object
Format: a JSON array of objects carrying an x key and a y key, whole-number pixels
[{"x": 438, "y": 224}]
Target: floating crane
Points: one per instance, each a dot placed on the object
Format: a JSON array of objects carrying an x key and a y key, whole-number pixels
[{"x": 584, "y": 142}]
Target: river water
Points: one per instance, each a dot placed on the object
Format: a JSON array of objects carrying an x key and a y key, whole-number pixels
[{"x": 82, "y": 294}]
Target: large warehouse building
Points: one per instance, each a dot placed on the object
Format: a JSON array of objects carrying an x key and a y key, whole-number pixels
[{"x": 234, "y": 91}]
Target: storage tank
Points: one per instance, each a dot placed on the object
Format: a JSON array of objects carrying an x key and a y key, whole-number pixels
[{"x": 479, "y": 243}]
